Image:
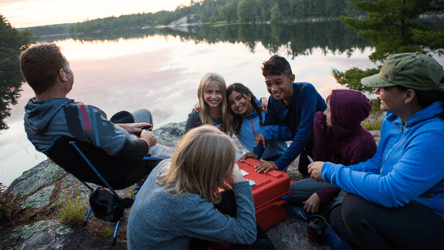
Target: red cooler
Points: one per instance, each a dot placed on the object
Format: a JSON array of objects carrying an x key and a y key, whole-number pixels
[{"x": 268, "y": 188}]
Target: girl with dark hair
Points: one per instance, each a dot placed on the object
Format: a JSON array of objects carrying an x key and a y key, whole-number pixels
[{"x": 248, "y": 119}]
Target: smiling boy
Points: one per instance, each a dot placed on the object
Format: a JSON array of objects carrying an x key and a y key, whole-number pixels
[{"x": 291, "y": 110}]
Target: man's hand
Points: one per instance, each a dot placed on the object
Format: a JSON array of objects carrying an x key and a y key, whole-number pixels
[
  {"x": 264, "y": 104},
  {"x": 265, "y": 166},
  {"x": 149, "y": 137},
  {"x": 134, "y": 128},
  {"x": 234, "y": 175},
  {"x": 260, "y": 137},
  {"x": 314, "y": 169},
  {"x": 312, "y": 203},
  {"x": 248, "y": 155}
]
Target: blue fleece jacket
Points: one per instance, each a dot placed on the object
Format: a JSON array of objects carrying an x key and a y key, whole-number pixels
[
  {"x": 408, "y": 164},
  {"x": 249, "y": 129},
  {"x": 160, "y": 221},
  {"x": 293, "y": 121}
]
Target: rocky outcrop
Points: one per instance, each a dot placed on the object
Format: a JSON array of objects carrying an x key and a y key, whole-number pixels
[{"x": 46, "y": 187}]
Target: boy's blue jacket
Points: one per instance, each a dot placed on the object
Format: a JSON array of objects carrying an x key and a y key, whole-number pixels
[
  {"x": 408, "y": 164},
  {"x": 293, "y": 121},
  {"x": 249, "y": 129}
]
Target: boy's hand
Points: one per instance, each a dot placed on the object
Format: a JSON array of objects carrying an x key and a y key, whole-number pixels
[
  {"x": 248, "y": 155},
  {"x": 265, "y": 166},
  {"x": 134, "y": 128},
  {"x": 260, "y": 137}
]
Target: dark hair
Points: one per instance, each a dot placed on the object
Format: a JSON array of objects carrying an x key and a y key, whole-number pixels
[
  {"x": 426, "y": 98},
  {"x": 244, "y": 91},
  {"x": 276, "y": 65},
  {"x": 40, "y": 66}
]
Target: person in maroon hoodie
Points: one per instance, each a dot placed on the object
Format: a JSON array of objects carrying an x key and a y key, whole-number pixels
[{"x": 338, "y": 137}]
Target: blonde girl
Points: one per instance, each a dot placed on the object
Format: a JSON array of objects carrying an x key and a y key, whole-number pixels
[
  {"x": 213, "y": 105},
  {"x": 178, "y": 200}
]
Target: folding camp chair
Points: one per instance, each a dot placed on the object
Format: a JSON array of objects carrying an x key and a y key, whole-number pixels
[{"x": 89, "y": 163}]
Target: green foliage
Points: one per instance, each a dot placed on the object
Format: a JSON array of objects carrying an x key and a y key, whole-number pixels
[
  {"x": 392, "y": 26},
  {"x": 246, "y": 11},
  {"x": 12, "y": 43},
  {"x": 73, "y": 210},
  {"x": 107, "y": 232},
  {"x": 10, "y": 210},
  {"x": 352, "y": 78},
  {"x": 228, "y": 12},
  {"x": 372, "y": 125},
  {"x": 276, "y": 14}
]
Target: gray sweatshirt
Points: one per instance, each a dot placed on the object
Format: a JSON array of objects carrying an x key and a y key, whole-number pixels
[{"x": 160, "y": 221}]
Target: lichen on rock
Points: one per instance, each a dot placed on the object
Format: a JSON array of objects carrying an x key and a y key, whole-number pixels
[
  {"x": 39, "y": 199},
  {"x": 35, "y": 178},
  {"x": 26, "y": 231}
]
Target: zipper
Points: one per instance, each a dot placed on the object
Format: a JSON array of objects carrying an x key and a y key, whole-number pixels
[{"x": 402, "y": 133}]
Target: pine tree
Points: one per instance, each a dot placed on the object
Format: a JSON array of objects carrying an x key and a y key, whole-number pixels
[{"x": 392, "y": 26}]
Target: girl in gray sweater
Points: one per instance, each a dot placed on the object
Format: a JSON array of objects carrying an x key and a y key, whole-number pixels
[{"x": 177, "y": 201}]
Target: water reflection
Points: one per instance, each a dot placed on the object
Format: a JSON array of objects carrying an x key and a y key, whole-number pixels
[
  {"x": 10, "y": 86},
  {"x": 161, "y": 69},
  {"x": 294, "y": 39}
]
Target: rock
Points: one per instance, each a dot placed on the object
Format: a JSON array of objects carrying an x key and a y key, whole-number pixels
[
  {"x": 46, "y": 187},
  {"x": 41, "y": 175},
  {"x": 39, "y": 199}
]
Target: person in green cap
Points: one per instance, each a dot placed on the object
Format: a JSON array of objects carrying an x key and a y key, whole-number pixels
[{"x": 396, "y": 198}]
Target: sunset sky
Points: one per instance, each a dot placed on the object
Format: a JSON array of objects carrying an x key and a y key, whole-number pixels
[{"x": 28, "y": 13}]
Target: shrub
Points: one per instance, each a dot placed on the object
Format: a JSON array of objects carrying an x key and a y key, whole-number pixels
[
  {"x": 73, "y": 210},
  {"x": 372, "y": 125},
  {"x": 10, "y": 210}
]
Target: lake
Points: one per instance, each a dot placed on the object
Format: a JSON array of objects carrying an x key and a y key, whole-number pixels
[{"x": 160, "y": 69}]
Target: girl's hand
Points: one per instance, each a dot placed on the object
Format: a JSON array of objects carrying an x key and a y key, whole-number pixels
[
  {"x": 312, "y": 203},
  {"x": 260, "y": 137},
  {"x": 196, "y": 108},
  {"x": 234, "y": 176},
  {"x": 314, "y": 169}
]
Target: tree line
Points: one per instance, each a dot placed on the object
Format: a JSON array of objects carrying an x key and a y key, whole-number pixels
[{"x": 213, "y": 11}]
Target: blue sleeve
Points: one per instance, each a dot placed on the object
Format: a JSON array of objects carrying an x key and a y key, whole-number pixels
[
  {"x": 305, "y": 129},
  {"x": 410, "y": 177}
]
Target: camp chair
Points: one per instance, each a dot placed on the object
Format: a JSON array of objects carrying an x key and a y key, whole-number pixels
[{"x": 89, "y": 163}]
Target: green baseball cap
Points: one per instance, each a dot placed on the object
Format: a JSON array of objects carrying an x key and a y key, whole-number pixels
[{"x": 411, "y": 70}]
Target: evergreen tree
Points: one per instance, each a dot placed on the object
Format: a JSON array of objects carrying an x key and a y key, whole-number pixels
[
  {"x": 276, "y": 14},
  {"x": 12, "y": 43},
  {"x": 246, "y": 11},
  {"x": 393, "y": 26}
]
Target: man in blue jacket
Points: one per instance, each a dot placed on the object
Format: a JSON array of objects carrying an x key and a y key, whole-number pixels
[{"x": 291, "y": 110}]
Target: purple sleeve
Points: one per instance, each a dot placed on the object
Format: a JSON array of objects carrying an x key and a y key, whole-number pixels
[
  {"x": 327, "y": 193},
  {"x": 320, "y": 150}
]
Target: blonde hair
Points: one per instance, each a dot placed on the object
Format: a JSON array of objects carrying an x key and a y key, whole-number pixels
[
  {"x": 202, "y": 159},
  {"x": 204, "y": 115}
]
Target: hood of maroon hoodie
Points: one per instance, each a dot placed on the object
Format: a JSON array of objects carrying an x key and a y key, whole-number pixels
[{"x": 348, "y": 109}]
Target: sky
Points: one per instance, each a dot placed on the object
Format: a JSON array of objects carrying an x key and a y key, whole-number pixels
[{"x": 29, "y": 13}]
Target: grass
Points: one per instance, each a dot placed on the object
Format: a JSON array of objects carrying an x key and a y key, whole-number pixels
[
  {"x": 372, "y": 125},
  {"x": 73, "y": 211},
  {"x": 107, "y": 232},
  {"x": 10, "y": 210}
]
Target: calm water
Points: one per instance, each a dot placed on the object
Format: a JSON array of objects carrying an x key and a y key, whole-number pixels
[{"x": 160, "y": 70}]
